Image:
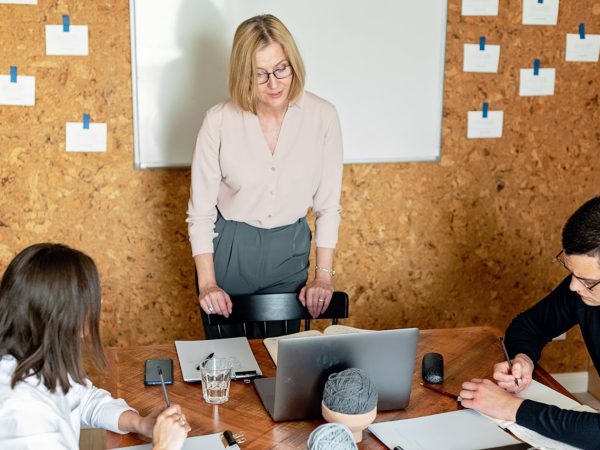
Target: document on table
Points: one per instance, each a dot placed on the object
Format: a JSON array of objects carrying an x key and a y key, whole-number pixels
[
  {"x": 457, "y": 430},
  {"x": 543, "y": 394},
  {"x": 192, "y": 353},
  {"x": 208, "y": 442}
]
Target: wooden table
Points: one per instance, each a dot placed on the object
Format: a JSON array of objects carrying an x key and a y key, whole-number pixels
[{"x": 468, "y": 353}]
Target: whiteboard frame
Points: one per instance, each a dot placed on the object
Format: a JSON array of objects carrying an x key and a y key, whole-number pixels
[{"x": 140, "y": 163}]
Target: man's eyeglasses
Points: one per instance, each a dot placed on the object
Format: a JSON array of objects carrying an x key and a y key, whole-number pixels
[
  {"x": 280, "y": 73},
  {"x": 589, "y": 285}
]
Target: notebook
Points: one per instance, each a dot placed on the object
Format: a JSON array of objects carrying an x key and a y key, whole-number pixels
[
  {"x": 271, "y": 343},
  {"x": 304, "y": 363}
]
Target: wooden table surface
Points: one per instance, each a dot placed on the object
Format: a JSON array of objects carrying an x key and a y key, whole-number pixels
[{"x": 468, "y": 353}]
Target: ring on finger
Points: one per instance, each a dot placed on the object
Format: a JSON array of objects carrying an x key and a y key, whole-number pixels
[
  {"x": 210, "y": 308},
  {"x": 321, "y": 300},
  {"x": 181, "y": 420}
]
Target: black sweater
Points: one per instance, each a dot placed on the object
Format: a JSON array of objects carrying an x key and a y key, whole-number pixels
[{"x": 528, "y": 333}]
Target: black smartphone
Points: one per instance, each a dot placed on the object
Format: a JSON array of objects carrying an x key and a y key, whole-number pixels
[{"x": 151, "y": 376}]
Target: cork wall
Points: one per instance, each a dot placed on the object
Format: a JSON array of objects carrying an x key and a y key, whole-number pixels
[{"x": 469, "y": 240}]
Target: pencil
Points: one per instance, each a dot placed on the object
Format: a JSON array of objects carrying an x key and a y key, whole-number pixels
[
  {"x": 507, "y": 357},
  {"x": 164, "y": 388},
  {"x": 443, "y": 392}
]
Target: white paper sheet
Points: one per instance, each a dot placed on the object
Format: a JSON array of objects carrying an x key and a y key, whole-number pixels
[
  {"x": 72, "y": 42},
  {"x": 541, "y": 393},
  {"x": 585, "y": 50},
  {"x": 80, "y": 139},
  {"x": 20, "y": 93},
  {"x": 208, "y": 442},
  {"x": 479, "y": 7},
  {"x": 545, "y": 13},
  {"x": 476, "y": 60},
  {"x": 19, "y": 2},
  {"x": 485, "y": 127},
  {"x": 191, "y": 353},
  {"x": 457, "y": 430},
  {"x": 533, "y": 85}
]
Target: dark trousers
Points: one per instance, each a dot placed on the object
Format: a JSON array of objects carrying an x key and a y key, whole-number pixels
[{"x": 251, "y": 260}]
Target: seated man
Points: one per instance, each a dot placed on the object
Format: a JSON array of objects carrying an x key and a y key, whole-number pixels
[{"x": 574, "y": 302}]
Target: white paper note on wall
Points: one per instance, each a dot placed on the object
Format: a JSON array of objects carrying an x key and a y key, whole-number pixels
[
  {"x": 80, "y": 139},
  {"x": 21, "y": 93},
  {"x": 19, "y": 2},
  {"x": 72, "y": 42},
  {"x": 485, "y": 127},
  {"x": 536, "y": 13},
  {"x": 477, "y": 60},
  {"x": 479, "y": 8},
  {"x": 533, "y": 85},
  {"x": 584, "y": 50}
]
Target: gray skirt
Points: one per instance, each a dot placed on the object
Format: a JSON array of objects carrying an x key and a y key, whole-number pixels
[{"x": 251, "y": 260}]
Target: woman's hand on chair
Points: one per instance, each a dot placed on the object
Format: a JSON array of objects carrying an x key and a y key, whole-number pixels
[
  {"x": 315, "y": 296},
  {"x": 214, "y": 300}
]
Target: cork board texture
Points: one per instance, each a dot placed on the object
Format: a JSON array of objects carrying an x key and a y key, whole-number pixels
[{"x": 466, "y": 241}]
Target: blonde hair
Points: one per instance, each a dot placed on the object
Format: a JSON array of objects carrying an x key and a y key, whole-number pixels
[{"x": 252, "y": 35}]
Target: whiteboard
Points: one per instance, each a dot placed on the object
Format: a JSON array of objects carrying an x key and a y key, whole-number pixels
[{"x": 380, "y": 62}]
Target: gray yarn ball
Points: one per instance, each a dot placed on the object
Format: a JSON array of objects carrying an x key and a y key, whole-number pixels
[
  {"x": 331, "y": 436},
  {"x": 350, "y": 391}
]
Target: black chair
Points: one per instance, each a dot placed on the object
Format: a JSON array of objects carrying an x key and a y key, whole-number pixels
[{"x": 263, "y": 308}]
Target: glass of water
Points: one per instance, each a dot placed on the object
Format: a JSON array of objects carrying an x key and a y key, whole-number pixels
[{"x": 216, "y": 377}]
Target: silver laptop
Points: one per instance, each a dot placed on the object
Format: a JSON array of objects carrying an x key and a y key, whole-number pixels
[{"x": 304, "y": 363}]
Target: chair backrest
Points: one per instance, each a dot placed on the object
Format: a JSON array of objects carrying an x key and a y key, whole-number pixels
[{"x": 271, "y": 307}]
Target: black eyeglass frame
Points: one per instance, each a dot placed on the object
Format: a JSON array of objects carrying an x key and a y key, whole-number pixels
[
  {"x": 583, "y": 282},
  {"x": 274, "y": 73}
]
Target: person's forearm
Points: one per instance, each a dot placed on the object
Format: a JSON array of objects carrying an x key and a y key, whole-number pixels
[
  {"x": 324, "y": 260},
  {"x": 131, "y": 422},
  {"x": 205, "y": 268}
]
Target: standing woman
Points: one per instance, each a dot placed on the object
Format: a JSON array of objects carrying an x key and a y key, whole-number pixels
[{"x": 262, "y": 159}]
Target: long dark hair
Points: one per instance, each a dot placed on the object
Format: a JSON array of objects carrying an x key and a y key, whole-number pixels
[{"x": 49, "y": 299}]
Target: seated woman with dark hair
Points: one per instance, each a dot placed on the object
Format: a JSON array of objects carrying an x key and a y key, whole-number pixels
[{"x": 49, "y": 306}]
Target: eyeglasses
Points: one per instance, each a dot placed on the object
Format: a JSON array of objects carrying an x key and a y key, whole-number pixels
[
  {"x": 585, "y": 283},
  {"x": 279, "y": 73}
]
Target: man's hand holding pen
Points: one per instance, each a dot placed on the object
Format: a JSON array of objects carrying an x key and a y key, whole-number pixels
[{"x": 514, "y": 376}]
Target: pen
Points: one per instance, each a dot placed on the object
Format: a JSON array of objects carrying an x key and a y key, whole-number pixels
[
  {"x": 164, "y": 388},
  {"x": 443, "y": 392},
  {"x": 208, "y": 357},
  {"x": 507, "y": 357}
]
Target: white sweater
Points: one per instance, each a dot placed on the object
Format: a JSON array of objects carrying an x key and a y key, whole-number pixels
[{"x": 31, "y": 417}]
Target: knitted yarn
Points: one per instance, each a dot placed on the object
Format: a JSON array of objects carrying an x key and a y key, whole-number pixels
[
  {"x": 331, "y": 436},
  {"x": 350, "y": 391}
]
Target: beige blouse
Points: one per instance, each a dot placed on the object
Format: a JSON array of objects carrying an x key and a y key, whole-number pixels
[{"x": 234, "y": 170}]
